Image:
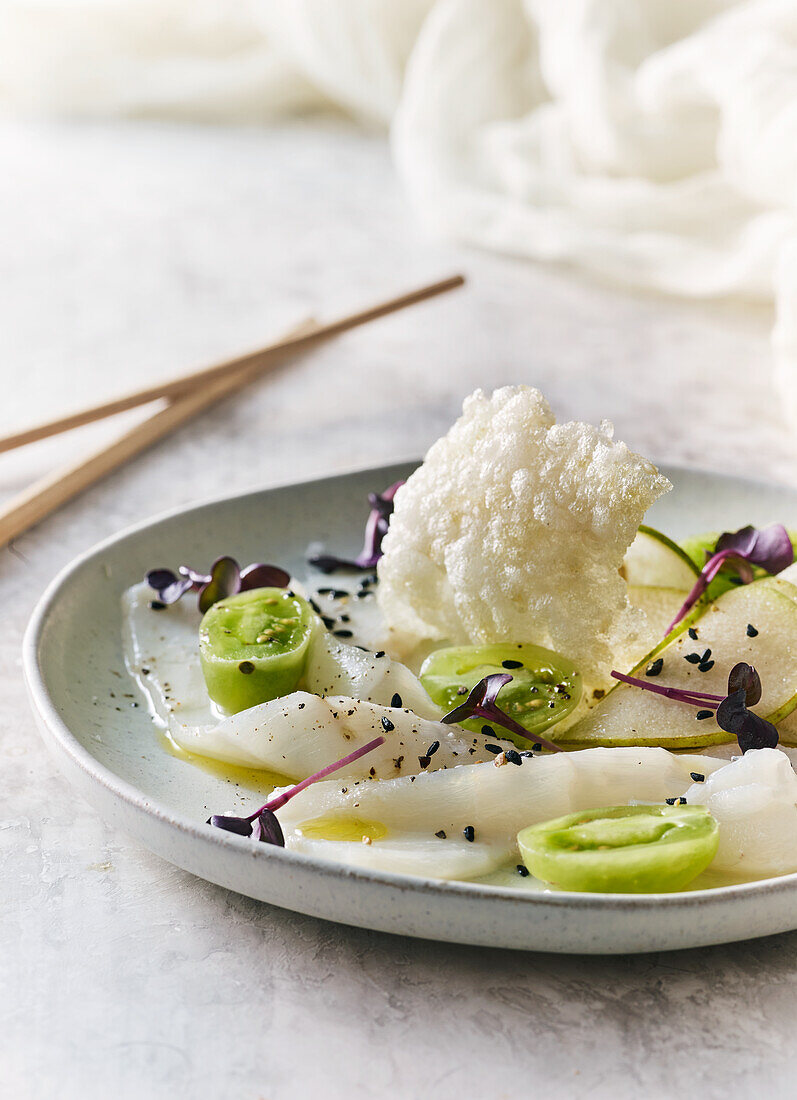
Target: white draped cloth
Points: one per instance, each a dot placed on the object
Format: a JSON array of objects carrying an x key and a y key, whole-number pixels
[{"x": 652, "y": 142}]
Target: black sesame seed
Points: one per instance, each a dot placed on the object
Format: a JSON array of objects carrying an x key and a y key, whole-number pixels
[
  {"x": 655, "y": 667},
  {"x": 681, "y": 801},
  {"x": 551, "y": 705},
  {"x": 435, "y": 745},
  {"x": 522, "y": 870},
  {"x": 513, "y": 756},
  {"x": 511, "y": 664},
  {"x": 692, "y": 633},
  {"x": 692, "y": 658},
  {"x": 705, "y": 656},
  {"x": 528, "y": 755},
  {"x": 488, "y": 731},
  {"x": 379, "y": 653},
  {"x": 396, "y": 700},
  {"x": 494, "y": 749},
  {"x": 424, "y": 761},
  {"x": 751, "y": 631},
  {"x": 698, "y": 777},
  {"x": 441, "y": 833},
  {"x": 246, "y": 667},
  {"x": 156, "y": 605},
  {"x": 387, "y": 725},
  {"x": 670, "y": 801},
  {"x": 343, "y": 633},
  {"x": 701, "y": 714},
  {"x": 325, "y": 619},
  {"x": 705, "y": 666},
  {"x": 469, "y": 833},
  {"x": 537, "y": 745},
  {"x": 315, "y": 606}
]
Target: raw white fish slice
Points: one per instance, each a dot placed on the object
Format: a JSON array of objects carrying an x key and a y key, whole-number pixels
[
  {"x": 335, "y": 668},
  {"x": 301, "y": 733},
  {"x": 412, "y": 854},
  {"x": 754, "y": 800},
  {"x": 162, "y": 653},
  {"x": 495, "y": 801}
]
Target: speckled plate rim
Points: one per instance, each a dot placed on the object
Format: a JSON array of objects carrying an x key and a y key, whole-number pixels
[{"x": 762, "y": 908}]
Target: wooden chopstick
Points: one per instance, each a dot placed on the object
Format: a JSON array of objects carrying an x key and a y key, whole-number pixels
[
  {"x": 257, "y": 360},
  {"x": 51, "y": 491}
]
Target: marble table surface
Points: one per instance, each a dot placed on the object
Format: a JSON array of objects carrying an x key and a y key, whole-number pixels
[{"x": 138, "y": 250}]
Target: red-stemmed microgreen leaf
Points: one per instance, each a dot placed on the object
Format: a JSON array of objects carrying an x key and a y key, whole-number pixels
[
  {"x": 263, "y": 825},
  {"x": 168, "y": 585},
  {"x": 381, "y": 505},
  {"x": 750, "y": 729},
  {"x": 481, "y": 703},
  {"x": 226, "y": 578},
  {"x": 743, "y": 676},
  {"x": 732, "y": 710},
  {"x": 258, "y": 575},
  {"x": 770, "y": 548},
  {"x": 680, "y": 695}
]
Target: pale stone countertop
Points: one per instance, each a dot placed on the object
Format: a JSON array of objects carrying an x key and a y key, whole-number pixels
[{"x": 134, "y": 251}]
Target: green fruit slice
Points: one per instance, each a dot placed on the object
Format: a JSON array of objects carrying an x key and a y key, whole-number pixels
[
  {"x": 660, "y": 605},
  {"x": 700, "y": 547},
  {"x": 629, "y": 715},
  {"x": 545, "y": 686},
  {"x": 654, "y": 560},
  {"x": 253, "y": 646},
  {"x": 622, "y": 849}
]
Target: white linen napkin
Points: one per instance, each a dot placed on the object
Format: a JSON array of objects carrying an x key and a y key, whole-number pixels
[{"x": 652, "y": 142}]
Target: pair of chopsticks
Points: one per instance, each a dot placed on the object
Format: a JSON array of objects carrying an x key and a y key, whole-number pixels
[{"x": 185, "y": 396}]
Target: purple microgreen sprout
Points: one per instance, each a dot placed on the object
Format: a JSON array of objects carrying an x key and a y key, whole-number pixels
[
  {"x": 732, "y": 713},
  {"x": 381, "y": 505},
  {"x": 680, "y": 695},
  {"x": 745, "y": 676},
  {"x": 168, "y": 585},
  {"x": 770, "y": 548},
  {"x": 481, "y": 703},
  {"x": 263, "y": 825},
  {"x": 226, "y": 578}
]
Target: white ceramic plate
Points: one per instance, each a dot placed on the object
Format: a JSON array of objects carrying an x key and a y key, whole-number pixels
[{"x": 82, "y": 698}]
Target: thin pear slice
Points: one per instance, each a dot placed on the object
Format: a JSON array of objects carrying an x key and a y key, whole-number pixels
[
  {"x": 654, "y": 560},
  {"x": 631, "y": 716},
  {"x": 787, "y": 728},
  {"x": 660, "y": 605}
]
